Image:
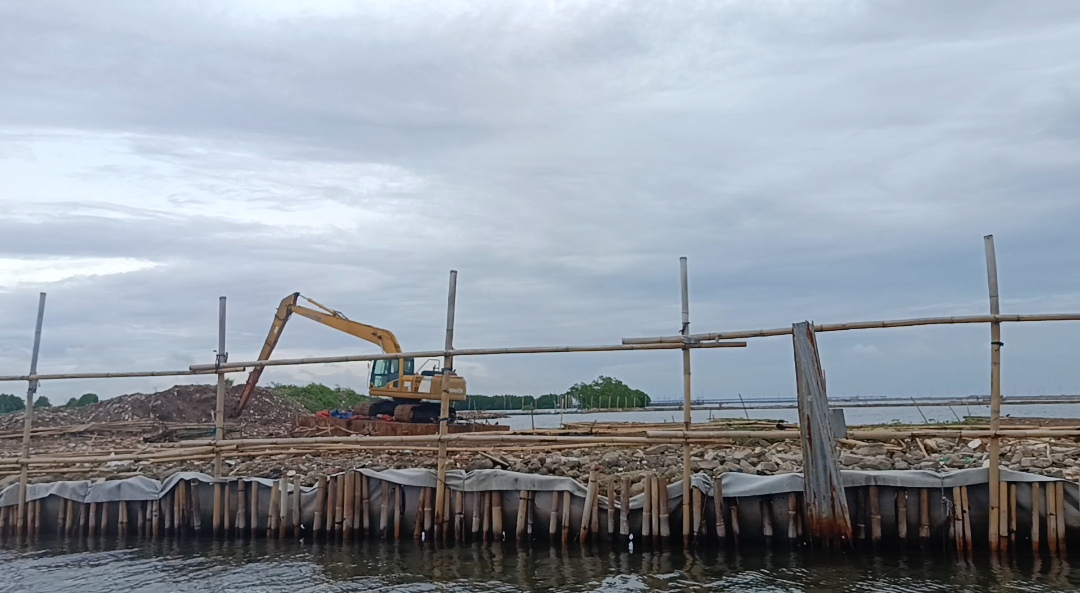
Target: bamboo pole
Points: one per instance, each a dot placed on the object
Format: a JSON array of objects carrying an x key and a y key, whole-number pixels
[
  {"x": 182, "y": 514},
  {"x": 167, "y": 508},
  {"x": 365, "y": 489},
  {"x": 255, "y": 509},
  {"x": 3, "y": 521},
  {"x": 487, "y": 517},
  {"x": 718, "y": 506},
  {"x": 217, "y": 509},
  {"x": 61, "y": 514},
  {"x": 1061, "y": 526},
  {"x": 283, "y": 507},
  {"x": 429, "y": 512},
  {"x": 522, "y": 515},
  {"x": 155, "y": 517},
  {"x": 121, "y": 519},
  {"x": 587, "y": 513},
  {"x": 320, "y": 506},
  {"x": 339, "y": 503},
  {"x": 687, "y": 419},
  {"x": 995, "y": 394},
  {"x": 766, "y": 519},
  {"x": 350, "y": 496},
  {"x": 875, "y": 517},
  {"x": 530, "y": 515},
  {"x": 226, "y": 509},
  {"x": 444, "y": 405},
  {"x": 297, "y": 519},
  {"x": 477, "y": 515},
  {"x": 1003, "y": 516},
  {"x": 497, "y": 516},
  {"x": 647, "y": 510},
  {"x": 958, "y": 519},
  {"x": 1051, "y": 518},
  {"x": 698, "y": 506},
  {"x": 924, "y": 516},
  {"x": 399, "y": 509},
  {"x": 140, "y": 517},
  {"x": 459, "y": 515},
  {"x": 93, "y": 520},
  {"x": 902, "y": 515},
  {"x": 1012, "y": 515},
  {"x": 624, "y": 508},
  {"x": 104, "y": 517},
  {"x": 851, "y": 325},
  {"x": 241, "y": 508},
  {"x": 384, "y": 510},
  {"x": 553, "y": 520},
  {"x": 418, "y": 525},
  {"x": 219, "y": 413},
  {"x": 735, "y": 521},
  {"x": 566, "y": 516},
  {"x": 860, "y": 515},
  {"x": 272, "y": 513},
  {"x": 662, "y": 499},
  {"x": 1036, "y": 513},
  {"x": 28, "y": 419},
  {"x": 610, "y": 513},
  {"x": 793, "y": 510}
]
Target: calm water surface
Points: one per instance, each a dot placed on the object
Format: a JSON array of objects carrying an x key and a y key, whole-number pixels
[{"x": 410, "y": 567}]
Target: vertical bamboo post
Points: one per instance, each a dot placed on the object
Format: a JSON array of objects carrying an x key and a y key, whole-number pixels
[
  {"x": 365, "y": 503},
  {"x": 1036, "y": 495},
  {"x": 647, "y": 510},
  {"x": 444, "y": 405},
  {"x": 1051, "y": 518},
  {"x": 217, "y": 509},
  {"x": 497, "y": 516},
  {"x": 624, "y": 508},
  {"x": 531, "y": 515},
  {"x": 968, "y": 539},
  {"x": 384, "y": 509},
  {"x": 320, "y": 505},
  {"x": 226, "y": 509},
  {"x": 995, "y": 394},
  {"x": 902, "y": 515},
  {"x": 1003, "y": 516},
  {"x": 735, "y": 521},
  {"x": 1012, "y": 514},
  {"x": 297, "y": 519},
  {"x": 241, "y": 508},
  {"x": 699, "y": 507},
  {"x": 958, "y": 519},
  {"x": 254, "y": 510},
  {"x": 860, "y": 514},
  {"x": 924, "y": 516},
  {"x": 566, "y": 516},
  {"x": 121, "y": 519},
  {"x": 167, "y": 507},
  {"x": 331, "y": 496},
  {"x": 429, "y": 512},
  {"x": 283, "y": 507},
  {"x": 421, "y": 503},
  {"x": 522, "y": 515},
  {"x": 766, "y": 519},
  {"x": 654, "y": 485},
  {"x": 155, "y": 517},
  {"x": 220, "y": 358},
  {"x": 33, "y": 520},
  {"x": 93, "y": 520},
  {"x": 140, "y": 517},
  {"x": 875, "y": 517},
  {"x": 339, "y": 503},
  {"x": 459, "y": 515},
  {"x": 28, "y": 419},
  {"x": 586, "y": 513},
  {"x": 477, "y": 514},
  {"x": 793, "y": 517},
  {"x": 1060, "y": 486},
  {"x": 665, "y": 523},
  {"x": 69, "y": 521},
  {"x": 718, "y": 505},
  {"x": 687, "y": 416},
  {"x": 399, "y": 509},
  {"x": 61, "y": 515},
  {"x": 611, "y": 514},
  {"x": 104, "y": 517},
  {"x": 4, "y": 521},
  {"x": 350, "y": 497},
  {"x": 272, "y": 512},
  {"x": 485, "y": 516},
  {"x": 182, "y": 516},
  {"x": 553, "y": 519}
]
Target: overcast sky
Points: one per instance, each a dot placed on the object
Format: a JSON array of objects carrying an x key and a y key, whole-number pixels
[{"x": 825, "y": 161}]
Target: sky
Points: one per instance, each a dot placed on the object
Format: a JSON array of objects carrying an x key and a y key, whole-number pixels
[{"x": 822, "y": 161}]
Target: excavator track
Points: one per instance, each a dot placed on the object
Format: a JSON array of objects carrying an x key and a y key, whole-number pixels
[{"x": 424, "y": 413}]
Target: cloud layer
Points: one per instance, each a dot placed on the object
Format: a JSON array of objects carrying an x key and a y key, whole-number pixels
[{"x": 823, "y": 161}]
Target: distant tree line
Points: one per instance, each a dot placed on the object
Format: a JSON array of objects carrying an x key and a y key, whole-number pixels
[
  {"x": 13, "y": 403},
  {"x": 604, "y": 392}
]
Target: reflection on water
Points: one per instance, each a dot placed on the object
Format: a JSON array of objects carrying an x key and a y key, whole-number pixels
[{"x": 273, "y": 566}]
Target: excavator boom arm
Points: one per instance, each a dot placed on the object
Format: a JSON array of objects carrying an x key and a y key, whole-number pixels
[{"x": 384, "y": 339}]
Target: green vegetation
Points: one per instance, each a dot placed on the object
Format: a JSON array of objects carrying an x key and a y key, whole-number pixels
[
  {"x": 85, "y": 400},
  {"x": 607, "y": 392},
  {"x": 316, "y": 396},
  {"x": 42, "y": 402},
  {"x": 11, "y": 403},
  {"x": 604, "y": 392}
]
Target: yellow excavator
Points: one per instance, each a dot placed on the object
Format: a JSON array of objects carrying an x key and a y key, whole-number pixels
[{"x": 402, "y": 392}]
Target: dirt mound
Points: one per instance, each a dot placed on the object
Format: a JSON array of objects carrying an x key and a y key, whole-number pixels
[{"x": 187, "y": 404}]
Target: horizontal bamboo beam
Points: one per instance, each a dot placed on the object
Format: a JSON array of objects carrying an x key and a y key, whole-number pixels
[
  {"x": 462, "y": 352},
  {"x": 832, "y": 327},
  {"x": 117, "y": 375},
  {"x": 861, "y": 435}
]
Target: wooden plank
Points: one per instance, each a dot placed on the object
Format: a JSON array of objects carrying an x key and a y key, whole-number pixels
[{"x": 826, "y": 511}]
